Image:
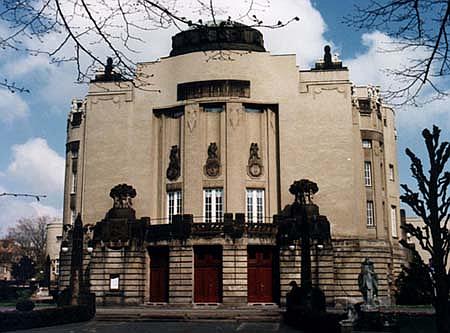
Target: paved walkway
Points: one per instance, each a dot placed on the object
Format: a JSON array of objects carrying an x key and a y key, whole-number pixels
[{"x": 167, "y": 327}]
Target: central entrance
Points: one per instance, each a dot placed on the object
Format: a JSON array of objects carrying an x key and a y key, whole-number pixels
[
  {"x": 207, "y": 274},
  {"x": 159, "y": 274},
  {"x": 259, "y": 274}
]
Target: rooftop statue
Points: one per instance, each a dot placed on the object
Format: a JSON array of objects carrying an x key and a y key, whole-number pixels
[
  {"x": 109, "y": 74},
  {"x": 328, "y": 63}
]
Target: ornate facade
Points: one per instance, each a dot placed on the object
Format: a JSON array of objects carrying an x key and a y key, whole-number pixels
[{"x": 208, "y": 150}]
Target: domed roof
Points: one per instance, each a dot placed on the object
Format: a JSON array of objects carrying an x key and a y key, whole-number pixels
[{"x": 222, "y": 35}]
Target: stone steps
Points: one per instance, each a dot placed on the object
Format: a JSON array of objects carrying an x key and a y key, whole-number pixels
[{"x": 250, "y": 314}]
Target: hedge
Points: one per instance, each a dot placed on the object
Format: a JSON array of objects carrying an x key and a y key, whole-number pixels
[{"x": 15, "y": 320}]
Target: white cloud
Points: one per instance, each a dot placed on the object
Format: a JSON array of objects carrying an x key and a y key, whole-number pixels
[
  {"x": 55, "y": 84},
  {"x": 413, "y": 119},
  {"x": 304, "y": 38},
  {"x": 25, "y": 65},
  {"x": 15, "y": 208},
  {"x": 39, "y": 209},
  {"x": 12, "y": 106},
  {"x": 370, "y": 68},
  {"x": 37, "y": 167}
]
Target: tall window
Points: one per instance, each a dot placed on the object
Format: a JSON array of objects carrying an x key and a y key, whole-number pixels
[
  {"x": 370, "y": 214},
  {"x": 391, "y": 172},
  {"x": 74, "y": 182},
  {"x": 174, "y": 204},
  {"x": 367, "y": 173},
  {"x": 255, "y": 206},
  {"x": 74, "y": 170},
  {"x": 73, "y": 216},
  {"x": 213, "y": 205},
  {"x": 367, "y": 143},
  {"x": 394, "y": 221}
]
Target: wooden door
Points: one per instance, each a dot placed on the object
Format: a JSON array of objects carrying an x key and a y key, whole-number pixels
[
  {"x": 207, "y": 274},
  {"x": 259, "y": 274},
  {"x": 159, "y": 274}
]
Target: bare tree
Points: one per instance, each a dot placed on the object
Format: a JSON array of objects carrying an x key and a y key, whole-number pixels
[
  {"x": 31, "y": 235},
  {"x": 419, "y": 28},
  {"x": 431, "y": 203},
  {"x": 82, "y": 29}
]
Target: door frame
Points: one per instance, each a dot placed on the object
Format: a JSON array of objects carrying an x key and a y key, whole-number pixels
[
  {"x": 165, "y": 250},
  {"x": 219, "y": 250},
  {"x": 275, "y": 271}
]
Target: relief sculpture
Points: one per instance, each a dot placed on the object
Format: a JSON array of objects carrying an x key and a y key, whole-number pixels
[
  {"x": 254, "y": 167},
  {"x": 174, "y": 169},
  {"x": 212, "y": 166}
]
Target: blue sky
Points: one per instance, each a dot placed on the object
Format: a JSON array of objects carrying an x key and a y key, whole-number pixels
[{"x": 33, "y": 125}]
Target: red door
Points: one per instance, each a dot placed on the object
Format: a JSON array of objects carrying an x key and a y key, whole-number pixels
[
  {"x": 207, "y": 274},
  {"x": 159, "y": 274},
  {"x": 259, "y": 270}
]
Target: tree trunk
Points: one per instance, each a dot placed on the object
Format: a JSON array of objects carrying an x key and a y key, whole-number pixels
[{"x": 441, "y": 303}]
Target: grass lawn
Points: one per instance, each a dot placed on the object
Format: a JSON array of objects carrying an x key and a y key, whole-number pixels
[
  {"x": 12, "y": 304},
  {"x": 7, "y": 304}
]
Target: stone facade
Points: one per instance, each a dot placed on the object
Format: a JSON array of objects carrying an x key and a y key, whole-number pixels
[
  {"x": 418, "y": 222},
  {"x": 201, "y": 137},
  {"x": 52, "y": 248}
]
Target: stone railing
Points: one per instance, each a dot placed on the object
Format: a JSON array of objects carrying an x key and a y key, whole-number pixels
[
  {"x": 183, "y": 227},
  {"x": 261, "y": 230},
  {"x": 207, "y": 229}
]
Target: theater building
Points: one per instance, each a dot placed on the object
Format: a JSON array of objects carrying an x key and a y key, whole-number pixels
[{"x": 208, "y": 141}]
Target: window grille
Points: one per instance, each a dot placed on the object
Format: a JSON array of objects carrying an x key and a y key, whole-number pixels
[
  {"x": 255, "y": 206},
  {"x": 213, "y": 205}
]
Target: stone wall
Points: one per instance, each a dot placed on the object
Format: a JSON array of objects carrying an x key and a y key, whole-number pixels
[
  {"x": 181, "y": 274},
  {"x": 129, "y": 264},
  {"x": 234, "y": 274},
  {"x": 348, "y": 255},
  {"x": 64, "y": 268},
  {"x": 336, "y": 266}
]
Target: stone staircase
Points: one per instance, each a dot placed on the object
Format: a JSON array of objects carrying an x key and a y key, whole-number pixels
[{"x": 251, "y": 313}]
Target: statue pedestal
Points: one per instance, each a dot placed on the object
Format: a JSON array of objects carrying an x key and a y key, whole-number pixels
[
  {"x": 306, "y": 308},
  {"x": 346, "y": 326},
  {"x": 371, "y": 318}
]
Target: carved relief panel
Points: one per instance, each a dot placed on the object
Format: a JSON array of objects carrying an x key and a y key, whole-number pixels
[
  {"x": 212, "y": 166},
  {"x": 174, "y": 168},
  {"x": 255, "y": 165}
]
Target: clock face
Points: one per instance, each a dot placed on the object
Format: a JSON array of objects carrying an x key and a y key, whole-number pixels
[{"x": 255, "y": 170}]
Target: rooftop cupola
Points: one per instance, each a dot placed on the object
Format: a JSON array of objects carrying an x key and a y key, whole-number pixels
[{"x": 223, "y": 35}]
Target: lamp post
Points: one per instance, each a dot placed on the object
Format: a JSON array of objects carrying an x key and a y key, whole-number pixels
[
  {"x": 301, "y": 221},
  {"x": 76, "y": 263}
]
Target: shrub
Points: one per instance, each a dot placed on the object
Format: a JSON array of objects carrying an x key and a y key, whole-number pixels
[
  {"x": 64, "y": 297},
  {"x": 23, "y": 294},
  {"x": 25, "y": 305},
  {"x": 7, "y": 291},
  {"x": 15, "y": 320},
  {"x": 414, "y": 285}
]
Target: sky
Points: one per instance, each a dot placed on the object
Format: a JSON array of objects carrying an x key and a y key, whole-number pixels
[{"x": 33, "y": 125}]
